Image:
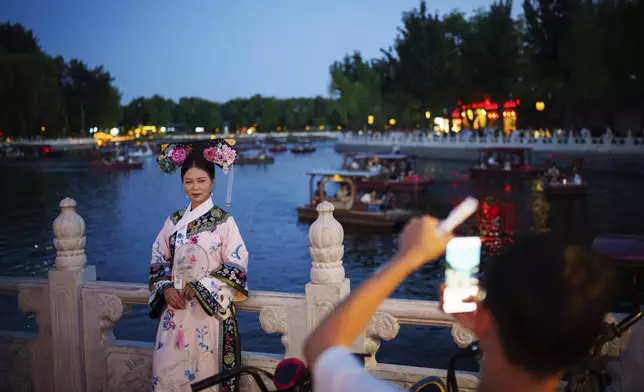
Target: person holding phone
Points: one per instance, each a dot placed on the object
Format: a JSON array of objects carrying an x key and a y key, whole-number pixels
[{"x": 544, "y": 307}]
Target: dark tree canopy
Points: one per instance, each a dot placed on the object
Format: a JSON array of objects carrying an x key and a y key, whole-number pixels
[{"x": 583, "y": 58}]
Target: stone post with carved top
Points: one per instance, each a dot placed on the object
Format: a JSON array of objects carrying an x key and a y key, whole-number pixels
[
  {"x": 328, "y": 285},
  {"x": 65, "y": 284}
]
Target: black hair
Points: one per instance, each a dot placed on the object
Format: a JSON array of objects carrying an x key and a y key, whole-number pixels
[
  {"x": 196, "y": 159},
  {"x": 548, "y": 301}
]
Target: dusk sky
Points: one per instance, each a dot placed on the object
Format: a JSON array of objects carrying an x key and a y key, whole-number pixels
[{"x": 217, "y": 49}]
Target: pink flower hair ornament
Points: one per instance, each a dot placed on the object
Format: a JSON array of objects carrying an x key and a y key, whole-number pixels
[
  {"x": 172, "y": 156},
  {"x": 218, "y": 151},
  {"x": 221, "y": 152}
]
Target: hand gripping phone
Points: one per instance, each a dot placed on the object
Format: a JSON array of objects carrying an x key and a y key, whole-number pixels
[{"x": 463, "y": 257}]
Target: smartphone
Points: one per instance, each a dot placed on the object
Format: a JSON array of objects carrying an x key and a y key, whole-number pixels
[{"x": 463, "y": 258}]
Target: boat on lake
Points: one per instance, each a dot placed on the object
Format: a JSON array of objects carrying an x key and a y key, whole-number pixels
[
  {"x": 277, "y": 148},
  {"x": 390, "y": 171},
  {"x": 349, "y": 209},
  {"x": 141, "y": 151},
  {"x": 261, "y": 158},
  {"x": 509, "y": 163},
  {"x": 303, "y": 148},
  {"x": 558, "y": 183},
  {"x": 116, "y": 160}
]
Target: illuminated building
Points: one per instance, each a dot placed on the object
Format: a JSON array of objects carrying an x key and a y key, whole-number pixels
[{"x": 485, "y": 114}]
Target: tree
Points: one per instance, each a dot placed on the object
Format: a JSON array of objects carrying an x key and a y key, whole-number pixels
[
  {"x": 29, "y": 94},
  {"x": 427, "y": 51},
  {"x": 155, "y": 110},
  {"x": 490, "y": 54},
  {"x": 15, "y": 39},
  {"x": 358, "y": 89},
  {"x": 91, "y": 100},
  {"x": 200, "y": 112}
]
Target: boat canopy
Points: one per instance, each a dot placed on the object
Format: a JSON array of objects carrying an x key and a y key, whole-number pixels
[
  {"x": 343, "y": 173},
  {"x": 397, "y": 157}
]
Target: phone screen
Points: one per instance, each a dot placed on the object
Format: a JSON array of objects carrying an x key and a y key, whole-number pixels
[{"x": 463, "y": 257}]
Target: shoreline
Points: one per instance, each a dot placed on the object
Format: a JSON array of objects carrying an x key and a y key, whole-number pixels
[{"x": 629, "y": 163}]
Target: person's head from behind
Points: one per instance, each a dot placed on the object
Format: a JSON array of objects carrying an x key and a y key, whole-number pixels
[{"x": 544, "y": 306}]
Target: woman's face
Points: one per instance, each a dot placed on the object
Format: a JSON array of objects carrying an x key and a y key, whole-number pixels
[{"x": 197, "y": 185}]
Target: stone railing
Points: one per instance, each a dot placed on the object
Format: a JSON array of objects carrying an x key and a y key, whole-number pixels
[
  {"x": 75, "y": 348},
  {"x": 179, "y": 136},
  {"x": 606, "y": 143}
]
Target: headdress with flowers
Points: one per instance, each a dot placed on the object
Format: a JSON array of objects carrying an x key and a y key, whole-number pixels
[
  {"x": 172, "y": 156},
  {"x": 220, "y": 152}
]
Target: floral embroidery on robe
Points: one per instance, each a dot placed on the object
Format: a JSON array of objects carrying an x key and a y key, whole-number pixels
[{"x": 202, "y": 339}]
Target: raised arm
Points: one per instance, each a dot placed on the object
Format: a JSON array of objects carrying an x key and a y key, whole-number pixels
[{"x": 419, "y": 243}]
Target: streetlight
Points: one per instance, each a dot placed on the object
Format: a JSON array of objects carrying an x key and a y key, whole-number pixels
[
  {"x": 392, "y": 121},
  {"x": 540, "y": 106},
  {"x": 370, "y": 119},
  {"x": 428, "y": 114}
]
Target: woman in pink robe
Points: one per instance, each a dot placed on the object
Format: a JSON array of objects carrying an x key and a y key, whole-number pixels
[{"x": 197, "y": 335}]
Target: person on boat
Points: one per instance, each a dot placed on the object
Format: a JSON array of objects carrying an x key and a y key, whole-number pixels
[
  {"x": 344, "y": 193},
  {"x": 405, "y": 168},
  {"x": 197, "y": 273},
  {"x": 317, "y": 199},
  {"x": 544, "y": 307},
  {"x": 388, "y": 201},
  {"x": 507, "y": 166},
  {"x": 492, "y": 160},
  {"x": 371, "y": 201},
  {"x": 262, "y": 155},
  {"x": 375, "y": 166},
  {"x": 354, "y": 165},
  {"x": 576, "y": 176},
  {"x": 411, "y": 176},
  {"x": 392, "y": 171},
  {"x": 553, "y": 174}
]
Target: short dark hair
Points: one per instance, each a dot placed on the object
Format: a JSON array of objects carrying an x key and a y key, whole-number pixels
[
  {"x": 548, "y": 301},
  {"x": 196, "y": 159}
]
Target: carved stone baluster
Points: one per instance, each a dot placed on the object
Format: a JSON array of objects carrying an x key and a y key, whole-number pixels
[
  {"x": 101, "y": 312},
  {"x": 462, "y": 336},
  {"x": 274, "y": 319},
  {"x": 64, "y": 295},
  {"x": 328, "y": 284},
  {"x": 37, "y": 301},
  {"x": 382, "y": 326}
]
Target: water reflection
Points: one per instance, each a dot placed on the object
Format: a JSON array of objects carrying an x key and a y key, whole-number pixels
[{"x": 124, "y": 212}]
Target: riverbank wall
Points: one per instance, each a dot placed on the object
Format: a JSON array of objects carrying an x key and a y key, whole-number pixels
[{"x": 607, "y": 154}]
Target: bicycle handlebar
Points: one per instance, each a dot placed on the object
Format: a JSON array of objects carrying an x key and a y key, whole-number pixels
[
  {"x": 628, "y": 322},
  {"x": 291, "y": 375},
  {"x": 226, "y": 375}
]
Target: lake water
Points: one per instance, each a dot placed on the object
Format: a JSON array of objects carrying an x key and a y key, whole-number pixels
[{"x": 124, "y": 212}]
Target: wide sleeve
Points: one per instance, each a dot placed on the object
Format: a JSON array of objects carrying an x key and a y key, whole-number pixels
[
  {"x": 226, "y": 284},
  {"x": 160, "y": 270}
]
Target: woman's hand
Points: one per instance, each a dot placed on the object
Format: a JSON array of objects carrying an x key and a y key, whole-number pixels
[
  {"x": 173, "y": 298},
  {"x": 187, "y": 293}
]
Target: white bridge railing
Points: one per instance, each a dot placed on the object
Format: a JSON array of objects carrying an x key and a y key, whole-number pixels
[
  {"x": 607, "y": 143},
  {"x": 75, "y": 349},
  {"x": 180, "y": 136}
]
